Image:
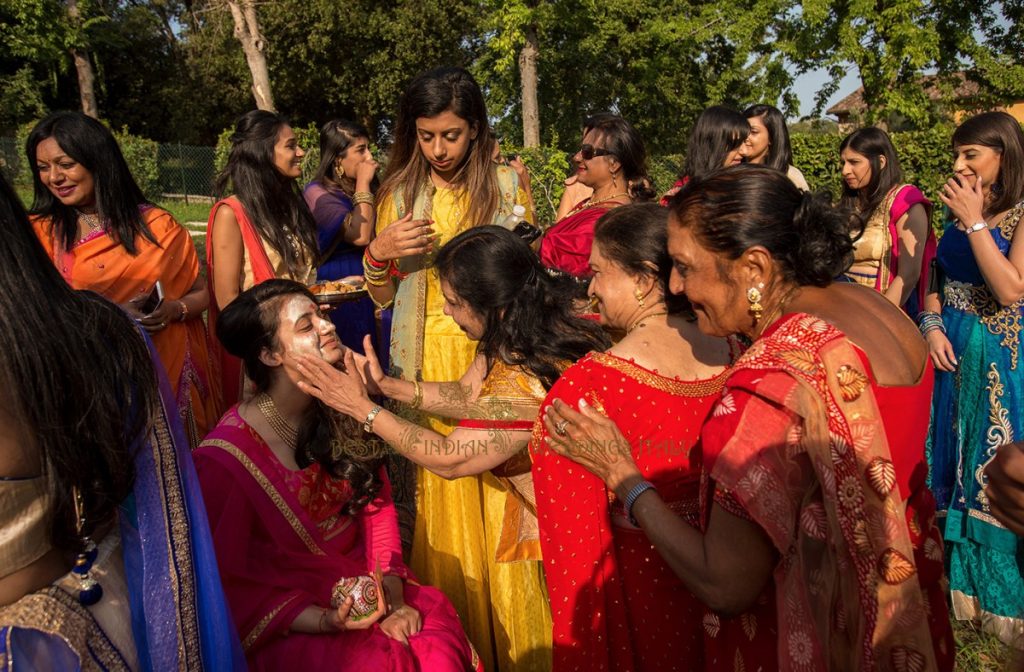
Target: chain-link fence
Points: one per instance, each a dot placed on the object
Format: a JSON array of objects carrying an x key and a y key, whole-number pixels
[{"x": 185, "y": 171}]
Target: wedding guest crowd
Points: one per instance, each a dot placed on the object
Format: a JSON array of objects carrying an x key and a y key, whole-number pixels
[{"x": 746, "y": 427}]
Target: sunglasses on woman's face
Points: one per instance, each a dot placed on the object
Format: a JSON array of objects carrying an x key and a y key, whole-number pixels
[{"x": 589, "y": 151}]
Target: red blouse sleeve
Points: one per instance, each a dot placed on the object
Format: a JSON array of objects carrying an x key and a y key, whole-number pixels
[{"x": 380, "y": 530}]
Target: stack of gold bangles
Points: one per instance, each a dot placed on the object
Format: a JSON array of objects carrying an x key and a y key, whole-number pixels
[{"x": 362, "y": 197}]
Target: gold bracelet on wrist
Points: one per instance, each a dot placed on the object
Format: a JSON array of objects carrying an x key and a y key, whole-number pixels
[
  {"x": 362, "y": 197},
  {"x": 184, "y": 311},
  {"x": 417, "y": 395}
]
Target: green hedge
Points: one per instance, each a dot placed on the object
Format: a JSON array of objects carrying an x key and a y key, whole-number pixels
[{"x": 925, "y": 157}]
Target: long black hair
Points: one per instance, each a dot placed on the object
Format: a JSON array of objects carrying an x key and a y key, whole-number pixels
[
  {"x": 528, "y": 315},
  {"x": 780, "y": 154},
  {"x": 247, "y": 327},
  {"x": 336, "y": 136},
  {"x": 118, "y": 198},
  {"x": 1002, "y": 133},
  {"x": 272, "y": 201},
  {"x": 624, "y": 142},
  {"x": 718, "y": 131},
  {"x": 75, "y": 374},
  {"x": 428, "y": 95},
  {"x": 873, "y": 143},
  {"x": 737, "y": 208},
  {"x": 636, "y": 238}
]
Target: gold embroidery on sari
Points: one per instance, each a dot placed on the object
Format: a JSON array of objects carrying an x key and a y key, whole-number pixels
[
  {"x": 271, "y": 492},
  {"x": 54, "y": 612},
  {"x": 1000, "y": 321},
  {"x": 679, "y": 388},
  {"x": 258, "y": 629},
  {"x": 179, "y": 564},
  {"x": 999, "y": 432}
]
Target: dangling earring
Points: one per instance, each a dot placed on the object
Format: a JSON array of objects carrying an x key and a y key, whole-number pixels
[
  {"x": 339, "y": 169},
  {"x": 639, "y": 296},
  {"x": 615, "y": 181},
  {"x": 90, "y": 591},
  {"x": 754, "y": 297}
]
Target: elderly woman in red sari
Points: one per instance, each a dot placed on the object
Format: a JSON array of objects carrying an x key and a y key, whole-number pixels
[
  {"x": 613, "y": 162},
  {"x": 616, "y": 603},
  {"x": 299, "y": 505},
  {"x": 815, "y": 493}
]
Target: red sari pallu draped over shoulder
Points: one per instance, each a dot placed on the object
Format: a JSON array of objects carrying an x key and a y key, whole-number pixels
[
  {"x": 230, "y": 367},
  {"x": 566, "y": 245},
  {"x": 281, "y": 545},
  {"x": 830, "y": 464},
  {"x": 616, "y": 604}
]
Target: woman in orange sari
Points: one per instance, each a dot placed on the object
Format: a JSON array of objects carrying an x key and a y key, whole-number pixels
[
  {"x": 104, "y": 236},
  {"x": 264, "y": 230},
  {"x": 814, "y": 492}
]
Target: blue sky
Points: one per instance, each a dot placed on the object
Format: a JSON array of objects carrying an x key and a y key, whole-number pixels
[{"x": 808, "y": 84}]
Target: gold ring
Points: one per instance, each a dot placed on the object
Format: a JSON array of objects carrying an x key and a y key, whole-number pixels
[{"x": 560, "y": 427}]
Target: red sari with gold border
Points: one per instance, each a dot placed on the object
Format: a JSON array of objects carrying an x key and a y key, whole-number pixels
[
  {"x": 805, "y": 443},
  {"x": 616, "y": 604},
  {"x": 282, "y": 544}
]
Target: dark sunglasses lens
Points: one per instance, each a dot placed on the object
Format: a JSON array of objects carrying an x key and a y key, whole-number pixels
[{"x": 587, "y": 152}]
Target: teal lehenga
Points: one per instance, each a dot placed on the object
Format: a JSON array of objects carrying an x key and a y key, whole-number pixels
[{"x": 976, "y": 409}]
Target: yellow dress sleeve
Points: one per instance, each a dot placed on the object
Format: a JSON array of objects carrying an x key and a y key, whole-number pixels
[
  {"x": 387, "y": 213},
  {"x": 523, "y": 200}
]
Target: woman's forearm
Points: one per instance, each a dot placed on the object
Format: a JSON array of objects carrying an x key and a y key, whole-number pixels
[
  {"x": 312, "y": 620},
  {"x": 726, "y": 568},
  {"x": 1003, "y": 278}
]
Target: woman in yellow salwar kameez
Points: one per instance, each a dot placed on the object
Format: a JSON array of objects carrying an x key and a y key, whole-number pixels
[{"x": 441, "y": 181}]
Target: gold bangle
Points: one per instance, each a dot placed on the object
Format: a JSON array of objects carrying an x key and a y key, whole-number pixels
[
  {"x": 417, "y": 395},
  {"x": 362, "y": 197},
  {"x": 184, "y": 311},
  {"x": 320, "y": 627}
]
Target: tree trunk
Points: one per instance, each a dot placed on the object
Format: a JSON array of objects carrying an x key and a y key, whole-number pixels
[
  {"x": 528, "y": 81},
  {"x": 247, "y": 30},
  {"x": 83, "y": 66}
]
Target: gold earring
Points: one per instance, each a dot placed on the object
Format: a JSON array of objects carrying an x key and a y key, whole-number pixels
[
  {"x": 339, "y": 169},
  {"x": 754, "y": 297},
  {"x": 639, "y": 296}
]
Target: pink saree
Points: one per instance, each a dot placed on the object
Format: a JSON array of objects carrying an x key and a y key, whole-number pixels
[{"x": 281, "y": 545}]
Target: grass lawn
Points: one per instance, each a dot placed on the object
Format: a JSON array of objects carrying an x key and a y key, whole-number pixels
[{"x": 981, "y": 652}]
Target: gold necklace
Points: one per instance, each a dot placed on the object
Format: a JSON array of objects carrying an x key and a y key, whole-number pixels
[
  {"x": 590, "y": 203},
  {"x": 640, "y": 321},
  {"x": 281, "y": 427}
]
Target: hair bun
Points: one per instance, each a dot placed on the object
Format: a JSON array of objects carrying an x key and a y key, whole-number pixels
[{"x": 824, "y": 248}]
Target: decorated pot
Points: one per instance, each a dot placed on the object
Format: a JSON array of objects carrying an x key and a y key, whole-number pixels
[{"x": 362, "y": 589}]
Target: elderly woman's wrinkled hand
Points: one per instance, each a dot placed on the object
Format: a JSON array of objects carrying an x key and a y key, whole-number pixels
[
  {"x": 341, "y": 389},
  {"x": 1005, "y": 488},
  {"x": 591, "y": 440}
]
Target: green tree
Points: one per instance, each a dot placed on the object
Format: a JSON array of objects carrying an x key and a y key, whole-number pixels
[
  {"x": 892, "y": 43},
  {"x": 656, "y": 63}
]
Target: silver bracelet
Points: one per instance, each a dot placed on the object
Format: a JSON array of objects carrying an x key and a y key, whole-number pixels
[{"x": 368, "y": 423}]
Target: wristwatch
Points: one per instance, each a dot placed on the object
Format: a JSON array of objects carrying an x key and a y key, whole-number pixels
[
  {"x": 977, "y": 226},
  {"x": 368, "y": 423}
]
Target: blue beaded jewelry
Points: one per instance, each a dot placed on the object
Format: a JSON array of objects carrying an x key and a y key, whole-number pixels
[
  {"x": 631, "y": 497},
  {"x": 90, "y": 591}
]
